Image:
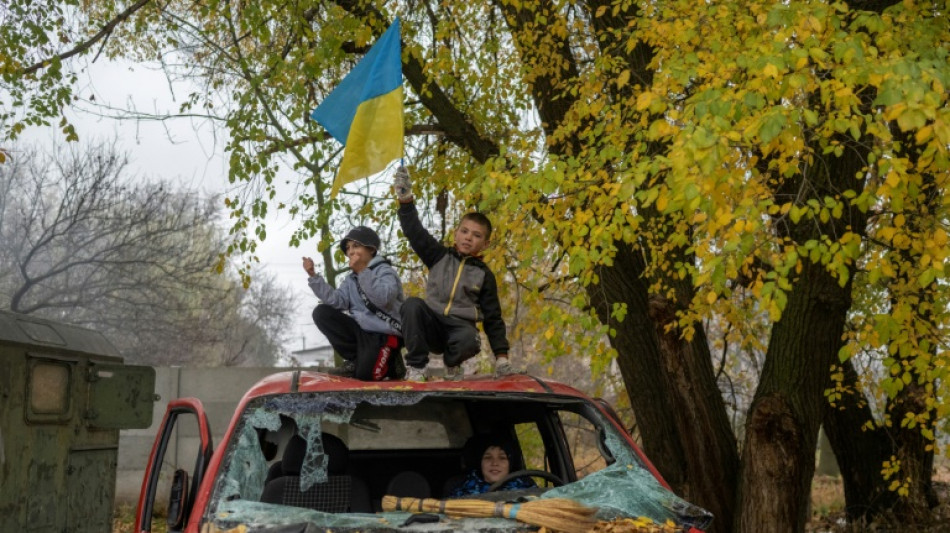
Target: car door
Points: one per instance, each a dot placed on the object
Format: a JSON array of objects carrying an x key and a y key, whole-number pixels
[{"x": 184, "y": 431}]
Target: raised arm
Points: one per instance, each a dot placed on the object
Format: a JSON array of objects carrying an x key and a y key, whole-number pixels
[{"x": 422, "y": 242}]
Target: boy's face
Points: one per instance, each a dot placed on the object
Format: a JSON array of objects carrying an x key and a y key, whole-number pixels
[
  {"x": 471, "y": 237},
  {"x": 495, "y": 464},
  {"x": 359, "y": 256}
]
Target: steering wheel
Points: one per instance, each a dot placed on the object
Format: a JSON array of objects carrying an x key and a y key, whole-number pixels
[{"x": 526, "y": 473}]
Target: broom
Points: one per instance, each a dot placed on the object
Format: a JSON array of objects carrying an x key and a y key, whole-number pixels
[{"x": 558, "y": 514}]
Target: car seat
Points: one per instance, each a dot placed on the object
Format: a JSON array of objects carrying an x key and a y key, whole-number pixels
[
  {"x": 340, "y": 493},
  {"x": 274, "y": 471},
  {"x": 409, "y": 483}
]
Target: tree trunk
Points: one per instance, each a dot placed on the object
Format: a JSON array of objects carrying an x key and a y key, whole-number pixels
[
  {"x": 671, "y": 383},
  {"x": 915, "y": 459},
  {"x": 672, "y": 388},
  {"x": 778, "y": 459},
  {"x": 861, "y": 448},
  {"x": 860, "y": 451},
  {"x": 914, "y": 451}
]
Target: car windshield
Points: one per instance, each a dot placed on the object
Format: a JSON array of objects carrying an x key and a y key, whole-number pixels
[{"x": 292, "y": 456}]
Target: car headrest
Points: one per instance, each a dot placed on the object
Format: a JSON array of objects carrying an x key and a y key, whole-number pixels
[
  {"x": 292, "y": 460},
  {"x": 337, "y": 454},
  {"x": 409, "y": 483}
]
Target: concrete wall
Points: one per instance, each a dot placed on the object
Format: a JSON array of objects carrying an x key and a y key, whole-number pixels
[{"x": 219, "y": 389}]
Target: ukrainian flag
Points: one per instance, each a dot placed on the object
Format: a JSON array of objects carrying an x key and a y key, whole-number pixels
[{"x": 364, "y": 112}]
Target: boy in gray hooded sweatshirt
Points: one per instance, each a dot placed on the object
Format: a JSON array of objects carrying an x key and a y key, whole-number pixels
[{"x": 361, "y": 317}]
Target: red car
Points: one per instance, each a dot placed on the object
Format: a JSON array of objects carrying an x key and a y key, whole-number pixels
[{"x": 308, "y": 451}]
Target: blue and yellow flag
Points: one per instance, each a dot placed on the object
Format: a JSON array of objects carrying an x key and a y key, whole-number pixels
[{"x": 364, "y": 112}]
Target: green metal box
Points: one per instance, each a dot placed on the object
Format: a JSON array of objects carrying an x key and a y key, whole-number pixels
[{"x": 64, "y": 395}]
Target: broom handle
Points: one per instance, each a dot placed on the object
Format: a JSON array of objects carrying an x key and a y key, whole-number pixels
[
  {"x": 480, "y": 508},
  {"x": 417, "y": 505},
  {"x": 414, "y": 505}
]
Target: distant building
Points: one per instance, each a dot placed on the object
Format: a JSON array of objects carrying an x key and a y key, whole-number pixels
[{"x": 315, "y": 356}]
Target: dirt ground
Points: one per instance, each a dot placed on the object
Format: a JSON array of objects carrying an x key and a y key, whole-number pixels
[{"x": 828, "y": 509}]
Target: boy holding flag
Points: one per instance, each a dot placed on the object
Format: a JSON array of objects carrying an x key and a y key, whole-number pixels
[{"x": 460, "y": 291}]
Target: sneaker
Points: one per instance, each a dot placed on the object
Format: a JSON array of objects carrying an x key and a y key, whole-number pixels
[
  {"x": 416, "y": 374},
  {"x": 454, "y": 373},
  {"x": 503, "y": 367}
]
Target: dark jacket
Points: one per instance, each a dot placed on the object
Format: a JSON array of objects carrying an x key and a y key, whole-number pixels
[{"x": 459, "y": 285}]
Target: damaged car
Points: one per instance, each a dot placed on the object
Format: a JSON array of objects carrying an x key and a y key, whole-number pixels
[{"x": 309, "y": 451}]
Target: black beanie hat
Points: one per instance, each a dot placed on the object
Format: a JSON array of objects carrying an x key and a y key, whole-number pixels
[{"x": 361, "y": 235}]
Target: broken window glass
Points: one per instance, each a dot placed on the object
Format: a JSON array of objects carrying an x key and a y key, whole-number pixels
[{"x": 615, "y": 480}]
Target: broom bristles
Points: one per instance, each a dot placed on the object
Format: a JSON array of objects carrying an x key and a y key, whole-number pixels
[{"x": 558, "y": 514}]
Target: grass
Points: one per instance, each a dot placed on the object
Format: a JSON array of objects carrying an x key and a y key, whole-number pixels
[
  {"x": 123, "y": 521},
  {"x": 827, "y": 507},
  {"x": 827, "y": 504},
  {"x": 827, "y": 496}
]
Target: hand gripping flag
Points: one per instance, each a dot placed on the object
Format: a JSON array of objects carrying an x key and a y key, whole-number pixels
[{"x": 364, "y": 112}]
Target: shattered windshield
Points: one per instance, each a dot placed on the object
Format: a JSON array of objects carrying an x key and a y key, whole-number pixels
[{"x": 328, "y": 459}]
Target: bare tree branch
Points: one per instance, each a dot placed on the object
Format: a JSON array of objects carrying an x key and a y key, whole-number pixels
[{"x": 133, "y": 261}]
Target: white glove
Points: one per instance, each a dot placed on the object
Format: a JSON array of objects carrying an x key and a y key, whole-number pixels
[{"x": 402, "y": 185}]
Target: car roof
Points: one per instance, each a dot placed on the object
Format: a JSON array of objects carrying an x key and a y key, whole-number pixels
[{"x": 315, "y": 381}]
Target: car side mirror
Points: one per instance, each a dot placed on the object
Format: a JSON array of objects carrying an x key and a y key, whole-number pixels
[{"x": 177, "y": 501}]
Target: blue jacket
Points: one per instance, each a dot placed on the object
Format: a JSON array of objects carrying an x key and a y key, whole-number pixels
[
  {"x": 475, "y": 484},
  {"x": 382, "y": 287}
]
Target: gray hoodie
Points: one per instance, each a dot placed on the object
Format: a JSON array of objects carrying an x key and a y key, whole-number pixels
[{"x": 381, "y": 285}]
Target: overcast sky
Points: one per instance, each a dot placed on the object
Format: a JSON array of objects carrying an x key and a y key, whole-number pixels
[{"x": 187, "y": 153}]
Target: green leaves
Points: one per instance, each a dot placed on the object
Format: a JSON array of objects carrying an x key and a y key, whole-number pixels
[
  {"x": 728, "y": 146},
  {"x": 772, "y": 126}
]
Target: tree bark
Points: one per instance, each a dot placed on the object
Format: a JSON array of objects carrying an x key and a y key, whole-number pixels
[
  {"x": 778, "y": 459},
  {"x": 672, "y": 388},
  {"x": 914, "y": 451},
  {"x": 861, "y": 444},
  {"x": 859, "y": 449}
]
